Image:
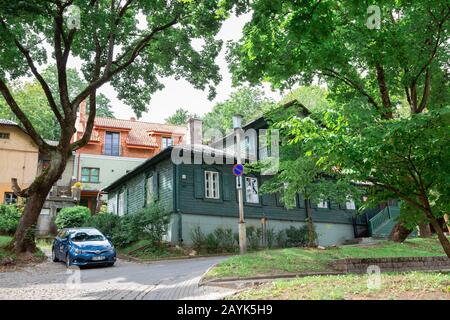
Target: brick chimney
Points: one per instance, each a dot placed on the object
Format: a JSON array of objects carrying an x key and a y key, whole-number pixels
[{"x": 194, "y": 131}]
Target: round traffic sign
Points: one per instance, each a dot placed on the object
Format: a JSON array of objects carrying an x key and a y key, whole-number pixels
[{"x": 238, "y": 170}]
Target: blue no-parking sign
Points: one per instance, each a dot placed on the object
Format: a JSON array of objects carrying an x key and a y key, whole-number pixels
[{"x": 238, "y": 170}]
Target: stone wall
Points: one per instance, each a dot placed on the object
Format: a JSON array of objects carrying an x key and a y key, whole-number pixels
[{"x": 392, "y": 264}]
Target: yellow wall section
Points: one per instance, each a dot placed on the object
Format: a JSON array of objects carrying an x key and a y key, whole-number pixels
[{"x": 18, "y": 159}]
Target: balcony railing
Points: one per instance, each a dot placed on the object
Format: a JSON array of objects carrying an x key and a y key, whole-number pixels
[{"x": 64, "y": 192}]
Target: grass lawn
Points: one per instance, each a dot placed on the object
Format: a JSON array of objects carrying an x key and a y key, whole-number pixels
[
  {"x": 297, "y": 260},
  {"x": 38, "y": 256},
  {"x": 4, "y": 241},
  {"x": 411, "y": 285}
]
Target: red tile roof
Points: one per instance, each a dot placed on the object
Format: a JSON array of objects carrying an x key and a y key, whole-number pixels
[{"x": 139, "y": 131}]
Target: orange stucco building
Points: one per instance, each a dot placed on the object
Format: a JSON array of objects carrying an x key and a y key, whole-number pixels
[
  {"x": 19, "y": 158},
  {"x": 117, "y": 146}
]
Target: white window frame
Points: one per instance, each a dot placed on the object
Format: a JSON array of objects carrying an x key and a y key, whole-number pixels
[
  {"x": 212, "y": 186},
  {"x": 112, "y": 204},
  {"x": 350, "y": 204},
  {"x": 169, "y": 141},
  {"x": 251, "y": 197},
  {"x": 121, "y": 204},
  {"x": 149, "y": 196},
  {"x": 322, "y": 205}
]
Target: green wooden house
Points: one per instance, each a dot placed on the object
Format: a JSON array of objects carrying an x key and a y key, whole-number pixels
[{"x": 205, "y": 195}]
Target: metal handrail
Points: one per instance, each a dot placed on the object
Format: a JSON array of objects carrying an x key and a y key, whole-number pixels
[{"x": 379, "y": 219}]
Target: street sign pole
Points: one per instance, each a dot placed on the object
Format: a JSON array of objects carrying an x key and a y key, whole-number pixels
[{"x": 242, "y": 230}]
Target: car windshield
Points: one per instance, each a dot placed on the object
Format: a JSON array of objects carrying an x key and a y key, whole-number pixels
[{"x": 87, "y": 236}]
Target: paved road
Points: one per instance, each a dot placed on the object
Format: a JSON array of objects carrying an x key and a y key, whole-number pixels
[{"x": 176, "y": 279}]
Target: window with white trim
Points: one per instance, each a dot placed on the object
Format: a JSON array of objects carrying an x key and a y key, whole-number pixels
[
  {"x": 251, "y": 190},
  {"x": 322, "y": 204},
  {"x": 166, "y": 142},
  {"x": 350, "y": 204},
  {"x": 212, "y": 185},
  {"x": 112, "y": 204},
  {"x": 149, "y": 190},
  {"x": 121, "y": 205}
]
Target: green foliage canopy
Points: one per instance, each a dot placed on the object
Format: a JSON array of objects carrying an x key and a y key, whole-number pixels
[
  {"x": 72, "y": 217},
  {"x": 246, "y": 101},
  {"x": 180, "y": 117},
  {"x": 288, "y": 42}
]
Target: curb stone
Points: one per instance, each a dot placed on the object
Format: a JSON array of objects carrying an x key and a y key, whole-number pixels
[{"x": 138, "y": 260}]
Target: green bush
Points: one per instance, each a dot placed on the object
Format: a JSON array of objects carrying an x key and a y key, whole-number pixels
[
  {"x": 298, "y": 237},
  {"x": 197, "y": 237},
  {"x": 220, "y": 240},
  {"x": 212, "y": 244},
  {"x": 281, "y": 239},
  {"x": 225, "y": 238},
  {"x": 125, "y": 234},
  {"x": 9, "y": 219},
  {"x": 72, "y": 217},
  {"x": 254, "y": 236},
  {"x": 107, "y": 223},
  {"x": 270, "y": 237},
  {"x": 148, "y": 224}
]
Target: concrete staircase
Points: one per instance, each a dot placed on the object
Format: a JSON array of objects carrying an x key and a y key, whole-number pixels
[{"x": 381, "y": 224}]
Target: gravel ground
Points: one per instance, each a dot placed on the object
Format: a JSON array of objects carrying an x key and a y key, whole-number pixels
[{"x": 171, "y": 280}]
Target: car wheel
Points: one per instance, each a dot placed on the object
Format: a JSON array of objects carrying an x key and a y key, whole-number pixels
[
  {"x": 68, "y": 262},
  {"x": 54, "y": 258},
  {"x": 111, "y": 264}
]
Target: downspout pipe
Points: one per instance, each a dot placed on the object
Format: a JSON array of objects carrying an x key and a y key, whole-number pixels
[
  {"x": 97, "y": 207},
  {"x": 176, "y": 207}
]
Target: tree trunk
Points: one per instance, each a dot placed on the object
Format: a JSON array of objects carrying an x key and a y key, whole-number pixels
[
  {"x": 424, "y": 230},
  {"x": 24, "y": 237},
  {"x": 399, "y": 233},
  {"x": 310, "y": 224},
  {"x": 440, "y": 233}
]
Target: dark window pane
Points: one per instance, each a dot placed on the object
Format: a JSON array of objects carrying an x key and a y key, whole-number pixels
[{"x": 112, "y": 143}]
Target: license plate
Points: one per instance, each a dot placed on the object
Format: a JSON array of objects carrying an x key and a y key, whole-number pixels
[{"x": 98, "y": 258}]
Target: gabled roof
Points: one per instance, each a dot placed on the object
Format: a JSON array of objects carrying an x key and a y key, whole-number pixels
[
  {"x": 139, "y": 132},
  {"x": 6, "y": 122},
  {"x": 166, "y": 153}
]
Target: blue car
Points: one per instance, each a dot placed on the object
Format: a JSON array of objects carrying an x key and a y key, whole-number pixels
[{"x": 83, "y": 247}]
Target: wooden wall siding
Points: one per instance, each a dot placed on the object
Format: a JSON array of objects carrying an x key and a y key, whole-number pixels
[
  {"x": 165, "y": 183},
  {"x": 135, "y": 194},
  {"x": 190, "y": 196},
  {"x": 191, "y": 199},
  {"x": 135, "y": 188}
]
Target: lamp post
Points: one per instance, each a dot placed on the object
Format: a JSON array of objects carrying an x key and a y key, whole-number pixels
[{"x": 237, "y": 122}]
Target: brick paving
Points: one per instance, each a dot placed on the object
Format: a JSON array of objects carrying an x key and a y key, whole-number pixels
[{"x": 168, "y": 280}]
